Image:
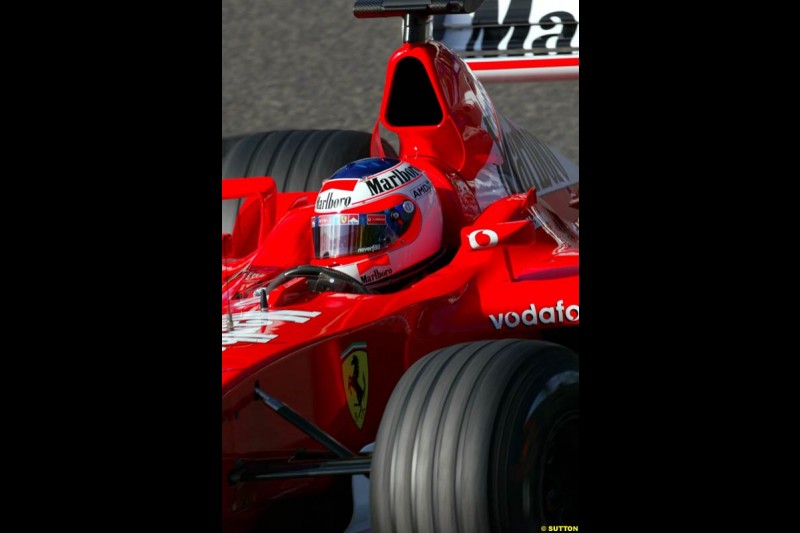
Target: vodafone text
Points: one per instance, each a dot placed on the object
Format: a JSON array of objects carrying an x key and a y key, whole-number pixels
[{"x": 533, "y": 316}]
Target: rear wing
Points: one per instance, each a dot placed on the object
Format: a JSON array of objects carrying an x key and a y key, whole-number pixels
[
  {"x": 501, "y": 40},
  {"x": 515, "y": 40}
]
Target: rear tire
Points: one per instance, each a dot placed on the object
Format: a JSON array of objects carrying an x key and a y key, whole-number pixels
[
  {"x": 480, "y": 437},
  {"x": 227, "y": 142},
  {"x": 297, "y": 160}
]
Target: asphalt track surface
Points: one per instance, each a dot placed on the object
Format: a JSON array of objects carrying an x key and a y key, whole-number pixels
[{"x": 310, "y": 64}]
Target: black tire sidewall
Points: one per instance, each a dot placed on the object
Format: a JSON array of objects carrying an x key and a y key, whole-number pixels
[{"x": 523, "y": 432}]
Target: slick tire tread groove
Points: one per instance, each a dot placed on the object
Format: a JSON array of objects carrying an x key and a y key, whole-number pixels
[{"x": 443, "y": 418}]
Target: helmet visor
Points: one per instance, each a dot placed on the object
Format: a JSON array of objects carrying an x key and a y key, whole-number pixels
[{"x": 339, "y": 235}]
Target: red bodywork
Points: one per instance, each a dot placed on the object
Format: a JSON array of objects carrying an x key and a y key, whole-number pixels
[{"x": 509, "y": 276}]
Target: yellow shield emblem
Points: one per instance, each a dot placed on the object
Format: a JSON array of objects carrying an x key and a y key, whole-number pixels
[{"x": 356, "y": 380}]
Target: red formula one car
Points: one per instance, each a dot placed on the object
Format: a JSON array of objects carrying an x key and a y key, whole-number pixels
[{"x": 400, "y": 312}]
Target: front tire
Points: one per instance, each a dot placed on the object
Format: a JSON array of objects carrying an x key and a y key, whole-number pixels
[{"x": 480, "y": 437}]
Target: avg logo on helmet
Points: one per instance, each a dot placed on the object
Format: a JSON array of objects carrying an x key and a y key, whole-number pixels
[{"x": 391, "y": 180}]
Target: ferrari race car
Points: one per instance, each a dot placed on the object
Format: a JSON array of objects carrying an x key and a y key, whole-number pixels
[{"x": 400, "y": 309}]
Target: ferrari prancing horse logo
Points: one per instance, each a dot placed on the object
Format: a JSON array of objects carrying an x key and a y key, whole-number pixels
[{"x": 356, "y": 381}]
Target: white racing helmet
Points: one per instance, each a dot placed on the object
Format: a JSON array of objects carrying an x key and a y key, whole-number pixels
[{"x": 377, "y": 220}]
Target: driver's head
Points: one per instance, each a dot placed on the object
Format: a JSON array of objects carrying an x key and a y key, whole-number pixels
[{"x": 377, "y": 219}]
